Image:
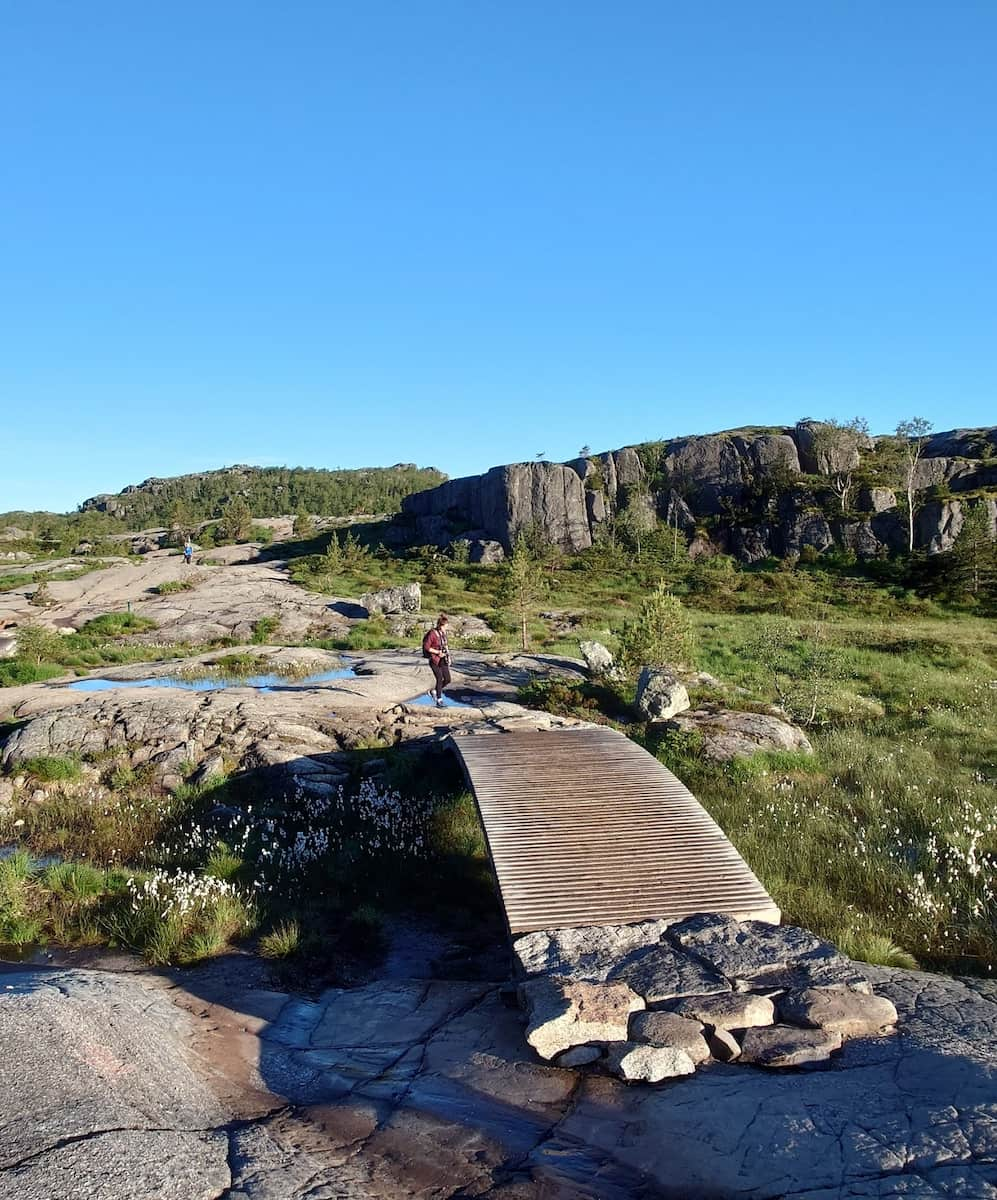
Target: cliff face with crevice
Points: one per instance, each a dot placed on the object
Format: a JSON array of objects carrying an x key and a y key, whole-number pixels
[{"x": 751, "y": 493}]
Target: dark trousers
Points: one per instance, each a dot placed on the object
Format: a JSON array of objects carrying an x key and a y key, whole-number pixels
[{"x": 442, "y": 672}]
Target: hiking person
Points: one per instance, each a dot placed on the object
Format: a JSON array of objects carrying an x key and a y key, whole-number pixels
[
  {"x": 188, "y": 551},
  {"x": 437, "y": 650}
]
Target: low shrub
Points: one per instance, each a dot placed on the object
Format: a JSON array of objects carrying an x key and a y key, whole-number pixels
[
  {"x": 48, "y": 768},
  {"x": 171, "y": 586}
]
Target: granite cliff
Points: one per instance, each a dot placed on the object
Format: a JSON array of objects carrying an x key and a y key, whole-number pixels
[{"x": 754, "y": 493}]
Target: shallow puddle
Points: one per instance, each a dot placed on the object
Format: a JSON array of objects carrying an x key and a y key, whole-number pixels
[
  {"x": 427, "y": 701},
  {"x": 260, "y": 683}
]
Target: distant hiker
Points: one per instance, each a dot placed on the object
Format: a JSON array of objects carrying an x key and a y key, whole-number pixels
[
  {"x": 188, "y": 551},
  {"x": 437, "y": 650}
]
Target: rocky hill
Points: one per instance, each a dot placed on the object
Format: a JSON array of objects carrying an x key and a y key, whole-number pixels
[
  {"x": 754, "y": 493},
  {"x": 269, "y": 491}
]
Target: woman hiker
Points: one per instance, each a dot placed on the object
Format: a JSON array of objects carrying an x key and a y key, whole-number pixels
[{"x": 436, "y": 649}]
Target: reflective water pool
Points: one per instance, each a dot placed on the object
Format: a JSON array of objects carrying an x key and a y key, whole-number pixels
[{"x": 260, "y": 683}]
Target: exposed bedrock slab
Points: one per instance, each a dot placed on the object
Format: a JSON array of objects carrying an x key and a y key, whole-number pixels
[
  {"x": 562, "y": 1013},
  {"x": 97, "y": 1097},
  {"x": 466, "y": 1109},
  {"x": 839, "y": 1010},
  {"x": 670, "y": 1030}
]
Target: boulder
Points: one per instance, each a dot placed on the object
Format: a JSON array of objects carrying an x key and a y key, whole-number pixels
[
  {"x": 799, "y": 529},
  {"x": 787, "y": 1046},
  {"x": 711, "y": 468},
  {"x": 751, "y": 544},
  {"x": 839, "y": 1010},
  {"x": 728, "y": 734},
  {"x": 638, "y": 1063},
  {"x": 486, "y": 551},
  {"x": 406, "y": 599},
  {"x": 732, "y": 1010},
  {"x": 668, "y": 1030},
  {"x": 562, "y": 1013},
  {"x": 660, "y": 695},
  {"x": 825, "y": 450},
  {"x": 859, "y": 537},
  {"x": 597, "y": 658}
]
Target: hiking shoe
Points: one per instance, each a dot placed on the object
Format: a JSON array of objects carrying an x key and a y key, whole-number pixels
[
  {"x": 440, "y": 704},
  {"x": 431, "y": 694}
]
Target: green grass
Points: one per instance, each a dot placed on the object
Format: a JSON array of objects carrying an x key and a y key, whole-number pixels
[
  {"x": 282, "y": 942},
  {"x": 48, "y": 768},
  {"x": 172, "y": 586}
]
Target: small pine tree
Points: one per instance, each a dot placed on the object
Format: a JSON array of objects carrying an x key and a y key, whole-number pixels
[
  {"x": 237, "y": 520},
  {"x": 36, "y": 644},
  {"x": 659, "y": 634},
  {"x": 972, "y": 566},
  {"x": 524, "y": 584},
  {"x": 304, "y": 526},
  {"x": 334, "y": 555}
]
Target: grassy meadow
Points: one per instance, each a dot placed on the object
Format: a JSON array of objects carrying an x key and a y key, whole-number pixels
[{"x": 885, "y": 839}]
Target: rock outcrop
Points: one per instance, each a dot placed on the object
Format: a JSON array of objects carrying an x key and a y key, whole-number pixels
[{"x": 764, "y": 493}]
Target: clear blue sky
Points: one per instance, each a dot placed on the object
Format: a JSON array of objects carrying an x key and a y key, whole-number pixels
[{"x": 342, "y": 234}]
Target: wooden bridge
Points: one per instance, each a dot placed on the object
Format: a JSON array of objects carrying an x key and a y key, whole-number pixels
[{"x": 586, "y": 828}]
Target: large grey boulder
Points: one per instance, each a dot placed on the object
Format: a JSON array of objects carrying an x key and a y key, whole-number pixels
[
  {"x": 727, "y": 734},
  {"x": 660, "y": 694},
  {"x": 711, "y": 468},
  {"x": 751, "y": 543},
  {"x": 825, "y": 450},
  {"x": 877, "y": 499},
  {"x": 597, "y": 658},
  {"x": 405, "y": 599}
]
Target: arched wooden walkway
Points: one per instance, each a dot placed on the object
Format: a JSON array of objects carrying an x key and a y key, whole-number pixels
[{"x": 586, "y": 828}]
